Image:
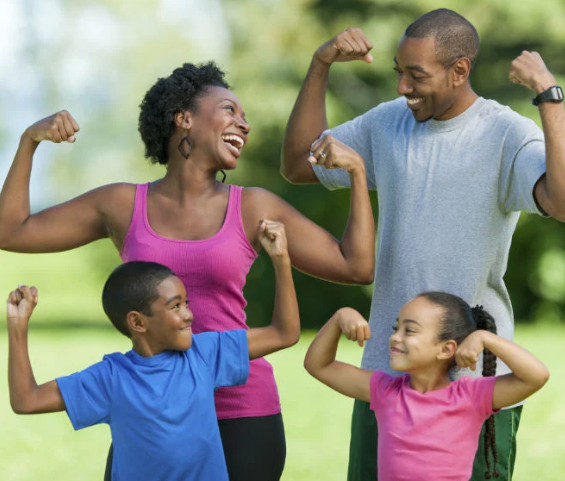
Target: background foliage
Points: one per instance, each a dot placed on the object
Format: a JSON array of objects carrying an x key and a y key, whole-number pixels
[{"x": 97, "y": 59}]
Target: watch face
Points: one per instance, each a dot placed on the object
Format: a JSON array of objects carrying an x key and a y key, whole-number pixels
[{"x": 552, "y": 94}]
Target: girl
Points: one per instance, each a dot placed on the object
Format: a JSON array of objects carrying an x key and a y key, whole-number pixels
[
  {"x": 428, "y": 426},
  {"x": 202, "y": 229}
]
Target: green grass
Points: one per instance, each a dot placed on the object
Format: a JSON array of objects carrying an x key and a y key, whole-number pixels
[{"x": 45, "y": 447}]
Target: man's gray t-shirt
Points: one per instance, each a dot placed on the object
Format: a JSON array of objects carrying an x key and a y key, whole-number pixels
[{"x": 450, "y": 194}]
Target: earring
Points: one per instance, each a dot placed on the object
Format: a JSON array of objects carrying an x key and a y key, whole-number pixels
[
  {"x": 185, "y": 150},
  {"x": 224, "y": 176}
]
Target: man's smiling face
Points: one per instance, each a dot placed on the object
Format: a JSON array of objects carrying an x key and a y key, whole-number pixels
[{"x": 423, "y": 80}]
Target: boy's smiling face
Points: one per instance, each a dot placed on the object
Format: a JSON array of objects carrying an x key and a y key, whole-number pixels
[{"x": 169, "y": 325}]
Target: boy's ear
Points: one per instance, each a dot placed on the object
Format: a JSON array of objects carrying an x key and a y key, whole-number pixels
[
  {"x": 136, "y": 322},
  {"x": 183, "y": 120},
  {"x": 447, "y": 350}
]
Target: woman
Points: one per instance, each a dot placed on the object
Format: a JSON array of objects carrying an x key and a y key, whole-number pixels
[{"x": 204, "y": 230}]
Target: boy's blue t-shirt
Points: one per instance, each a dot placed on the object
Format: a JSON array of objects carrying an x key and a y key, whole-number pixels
[{"x": 161, "y": 408}]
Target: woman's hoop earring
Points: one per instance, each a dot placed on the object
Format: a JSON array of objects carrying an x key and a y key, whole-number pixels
[
  {"x": 224, "y": 177},
  {"x": 185, "y": 150}
]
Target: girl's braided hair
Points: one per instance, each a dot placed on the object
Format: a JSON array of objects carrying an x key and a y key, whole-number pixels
[{"x": 460, "y": 320}]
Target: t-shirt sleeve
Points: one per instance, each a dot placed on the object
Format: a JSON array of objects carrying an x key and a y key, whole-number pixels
[
  {"x": 226, "y": 355},
  {"x": 87, "y": 395},
  {"x": 481, "y": 391},
  {"x": 380, "y": 382},
  {"x": 523, "y": 163},
  {"x": 356, "y": 134}
]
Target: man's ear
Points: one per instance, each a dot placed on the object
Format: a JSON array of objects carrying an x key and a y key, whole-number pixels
[
  {"x": 183, "y": 120},
  {"x": 136, "y": 322},
  {"x": 460, "y": 71},
  {"x": 447, "y": 350}
]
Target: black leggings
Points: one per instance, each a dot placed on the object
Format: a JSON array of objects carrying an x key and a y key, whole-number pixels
[{"x": 255, "y": 448}]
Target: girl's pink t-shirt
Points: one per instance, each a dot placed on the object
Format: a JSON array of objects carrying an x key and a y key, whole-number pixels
[
  {"x": 214, "y": 272},
  {"x": 432, "y": 436}
]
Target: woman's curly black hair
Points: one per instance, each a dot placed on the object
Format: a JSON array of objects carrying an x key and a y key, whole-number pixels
[{"x": 176, "y": 93}]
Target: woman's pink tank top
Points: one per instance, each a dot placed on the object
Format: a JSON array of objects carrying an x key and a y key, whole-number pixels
[{"x": 213, "y": 271}]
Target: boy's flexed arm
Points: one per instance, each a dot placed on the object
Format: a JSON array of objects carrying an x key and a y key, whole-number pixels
[
  {"x": 284, "y": 330},
  {"x": 26, "y": 397},
  {"x": 320, "y": 359},
  {"x": 528, "y": 375}
]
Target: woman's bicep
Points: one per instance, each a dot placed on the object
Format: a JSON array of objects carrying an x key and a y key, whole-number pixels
[{"x": 64, "y": 226}]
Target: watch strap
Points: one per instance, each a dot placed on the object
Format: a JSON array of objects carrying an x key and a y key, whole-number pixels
[{"x": 552, "y": 94}]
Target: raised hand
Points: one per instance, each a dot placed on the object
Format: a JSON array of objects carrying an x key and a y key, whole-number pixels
[
  {"x": 529, "y": 70},
  {"x": 56, "y": 128},
  {"x": 20, "y": 304},
  {"x": 333, "y": 154},
  {"x": 273, "y": 238},
  {"x": 351, "y": 44},
  {"x": 353, "y": 325},
  {"x": 467, "y": 354}
]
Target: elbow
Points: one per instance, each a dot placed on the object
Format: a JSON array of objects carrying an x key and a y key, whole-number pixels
[
  {"x": 364, "y": 276},
  {"x": 291, "y": 339},
  {"x": 544, "y": 377},
  {"x": 289, "y": 175},
  {"x": 20, "y": 407}
]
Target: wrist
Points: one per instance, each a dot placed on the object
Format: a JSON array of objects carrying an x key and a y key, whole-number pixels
[
  {"x": 318, "y": 65},
  {"x": 543, "y": 83},
  {"x": 358, "y": 169},
  {"x": 27, "y": 138},
  {"x": 281, "y": 260}
]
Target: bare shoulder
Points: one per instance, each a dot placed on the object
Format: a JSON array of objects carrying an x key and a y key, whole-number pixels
[
  {"x": 260, "y": 203},
  {"x": 114, "y": 195}
]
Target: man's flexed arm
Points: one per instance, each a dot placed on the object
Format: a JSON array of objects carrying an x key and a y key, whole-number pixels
[
  {"x": 308, "y": 118},
  {"x": 530, "y": 70}
]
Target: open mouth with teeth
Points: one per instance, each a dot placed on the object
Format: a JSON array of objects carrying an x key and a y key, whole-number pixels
[
  {"x": 234, "y": 143},
  {"x": 414, "y": 102}
]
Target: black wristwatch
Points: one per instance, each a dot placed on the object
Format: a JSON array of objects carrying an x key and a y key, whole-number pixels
[{"x": 552, "y": 94}]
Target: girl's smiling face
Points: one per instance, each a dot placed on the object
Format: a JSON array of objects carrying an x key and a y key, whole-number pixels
[{"x": 414, "y": 344}]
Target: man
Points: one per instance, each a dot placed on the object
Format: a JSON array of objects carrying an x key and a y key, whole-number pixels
[{"x": 452, "y": 172}]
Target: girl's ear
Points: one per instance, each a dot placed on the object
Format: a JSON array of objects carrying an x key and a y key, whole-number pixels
[
  {"x": 136, "y": 322},
  {"x": 447, "y": 350},
  {"x": 183, "y": 120}
]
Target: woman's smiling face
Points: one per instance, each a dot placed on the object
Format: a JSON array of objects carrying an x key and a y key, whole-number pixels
[{"x": 219, "y": 129}]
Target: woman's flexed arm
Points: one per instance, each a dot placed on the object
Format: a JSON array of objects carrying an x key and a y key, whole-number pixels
[
  {"x": 312, "y": 249},
  {"x": 58, "y": 228}
]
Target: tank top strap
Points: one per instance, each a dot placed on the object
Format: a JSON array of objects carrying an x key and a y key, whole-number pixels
[
  {"x": 234, "y": 220},
  {"x": 137, "y": 224},
  {"x": 233, "y": 214}
]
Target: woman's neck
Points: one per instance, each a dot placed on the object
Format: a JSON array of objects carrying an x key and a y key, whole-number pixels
[{"x": 186, "y": 178}]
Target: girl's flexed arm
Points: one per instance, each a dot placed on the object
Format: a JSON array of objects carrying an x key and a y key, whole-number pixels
[
  {"x": 528, "y": 375},
  {"x": 320, "y": 359}
]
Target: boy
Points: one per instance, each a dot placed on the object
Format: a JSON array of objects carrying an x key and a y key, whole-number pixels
[{"x": 157, "y": 398}]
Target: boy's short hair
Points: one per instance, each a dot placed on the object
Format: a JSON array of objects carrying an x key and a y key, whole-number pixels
[{"x": 132, "y": 287}]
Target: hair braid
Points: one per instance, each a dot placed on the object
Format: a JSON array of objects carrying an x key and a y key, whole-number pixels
[{"x": 485, "y": 321}]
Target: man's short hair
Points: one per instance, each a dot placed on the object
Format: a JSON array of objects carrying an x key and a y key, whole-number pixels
[
  {"x": 455, "y": 37},
  {"x": 132, "y": 286}
]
